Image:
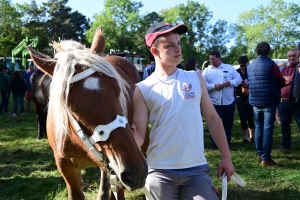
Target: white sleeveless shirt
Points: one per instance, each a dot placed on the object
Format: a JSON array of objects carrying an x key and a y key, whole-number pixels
[{"x": 176, "y": 137}]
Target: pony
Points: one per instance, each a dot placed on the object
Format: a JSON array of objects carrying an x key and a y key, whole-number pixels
[{"x": 89, "y": 115}]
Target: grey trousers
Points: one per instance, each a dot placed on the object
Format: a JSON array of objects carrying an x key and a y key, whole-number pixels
[{"x": 184, "y": 184}]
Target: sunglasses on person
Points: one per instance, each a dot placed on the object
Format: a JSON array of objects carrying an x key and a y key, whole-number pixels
[{"x": 243, "y": 65}]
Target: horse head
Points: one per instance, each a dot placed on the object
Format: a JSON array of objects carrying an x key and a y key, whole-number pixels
[{"x": 88, "y": 109}]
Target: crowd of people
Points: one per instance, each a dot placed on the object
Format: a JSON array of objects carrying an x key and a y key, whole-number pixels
[
  {"x": 17, "y": 85},
  {"x": 255, "y": 89}
]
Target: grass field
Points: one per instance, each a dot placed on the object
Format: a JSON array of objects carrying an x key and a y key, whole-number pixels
[{"x": 28, "y": 171}]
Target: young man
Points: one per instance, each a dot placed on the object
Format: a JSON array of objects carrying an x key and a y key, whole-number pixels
[
  {"x": 172, "y": 101},
  {"x": 265, "y": 81},
  {"x": 220, "y": 80}
]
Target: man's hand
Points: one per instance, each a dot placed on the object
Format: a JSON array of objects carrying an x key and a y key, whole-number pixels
[
  {"x": 287, "y": 80},
  {"x": 219, "y": 86},
  {"x": 226, "y": 166},
  {"x": 226, "y": 84}
]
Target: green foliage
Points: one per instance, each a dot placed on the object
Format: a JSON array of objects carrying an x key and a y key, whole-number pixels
[
  {"x": 119, "y": 22},
  {"x": 277, "y": 23},
  {"x": 10, "y": 28}
]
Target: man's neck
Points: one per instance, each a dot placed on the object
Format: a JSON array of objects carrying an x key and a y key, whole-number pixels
[{"x": 164, "y": 70}]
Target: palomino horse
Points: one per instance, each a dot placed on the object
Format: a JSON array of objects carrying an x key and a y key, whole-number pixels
[{"x": 89, "y": 104}]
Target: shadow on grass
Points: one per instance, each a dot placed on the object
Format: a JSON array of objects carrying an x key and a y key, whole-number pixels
[{"x": 31, "y": 188}]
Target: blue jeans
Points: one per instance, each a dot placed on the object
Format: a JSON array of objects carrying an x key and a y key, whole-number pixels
[
  {"x": 189, "y": 183},
  {"x": 226, "y": 113},
  {"x": 286, "y": 113},
  {"x": 264, "y": 121},
  {"x": 18, "y": 97},
  {"x": 4, "y": 100}
]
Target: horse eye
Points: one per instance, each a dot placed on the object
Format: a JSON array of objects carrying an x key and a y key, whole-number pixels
[{"x": 101, "y": 132}]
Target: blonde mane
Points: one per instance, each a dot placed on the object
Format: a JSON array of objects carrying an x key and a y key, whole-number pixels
[{"x": 68, "y": 54}]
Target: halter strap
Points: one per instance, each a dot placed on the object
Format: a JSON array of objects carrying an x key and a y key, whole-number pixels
[
  {"x": 86, "y": 141},
  {"x": 82, "y": 75}
]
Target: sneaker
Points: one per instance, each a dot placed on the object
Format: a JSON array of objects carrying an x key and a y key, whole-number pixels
[
  {"x": 22, "y": 114},
  {"x": 270, "y": 163},
  {"x": 245, "y": 141},
  {"x": 14, "y": 115},
  {"x": 252, "y": 140}
]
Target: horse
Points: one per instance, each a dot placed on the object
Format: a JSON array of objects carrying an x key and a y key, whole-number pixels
[
  {"x": 40, "y": 86},
  {"x": 89, "y": 115}
]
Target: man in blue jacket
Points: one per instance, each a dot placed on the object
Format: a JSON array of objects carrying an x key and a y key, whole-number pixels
[{"x": 265, "y": 81}]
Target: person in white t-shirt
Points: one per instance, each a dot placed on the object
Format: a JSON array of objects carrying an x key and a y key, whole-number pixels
[
  {"x": 172, "y": 100},
  {"x": 220, "y": 80}
]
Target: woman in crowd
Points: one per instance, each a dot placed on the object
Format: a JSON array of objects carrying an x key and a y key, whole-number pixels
[
  {"x": 190, "y": 65},
  {"x": 18, "y": 88},
  {"x": 241, "y": 98}
]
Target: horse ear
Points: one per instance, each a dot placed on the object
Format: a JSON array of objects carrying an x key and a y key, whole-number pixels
[
  {"x": 98, "y": 44},
  {"x": 43, "y": 62}
]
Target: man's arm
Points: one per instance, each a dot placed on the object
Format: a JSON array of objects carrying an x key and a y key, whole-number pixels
[
  {"x": 236, "y": 78},
  {"x": 140, "y": 117},
  {"x": 217, "y": 131},
  {"x": 211, "y": 86},
  {"x": 278, "y": 76}
]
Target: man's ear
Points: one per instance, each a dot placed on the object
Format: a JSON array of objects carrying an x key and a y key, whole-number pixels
[{"x": 154, "y": 51}]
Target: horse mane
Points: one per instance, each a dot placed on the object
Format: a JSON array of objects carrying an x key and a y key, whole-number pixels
[{"x": 70, "y": 53}]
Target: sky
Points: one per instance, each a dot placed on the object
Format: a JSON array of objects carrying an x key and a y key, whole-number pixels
[{"x": 228, "y": 10}]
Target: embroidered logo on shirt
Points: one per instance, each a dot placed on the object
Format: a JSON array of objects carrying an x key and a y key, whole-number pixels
[{"x": 187, "y": 87}]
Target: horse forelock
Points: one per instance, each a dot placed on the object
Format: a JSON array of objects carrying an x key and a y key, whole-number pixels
[{"x": 60, "y": 86}]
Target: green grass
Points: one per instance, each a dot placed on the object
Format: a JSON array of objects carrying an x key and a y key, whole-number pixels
[{"x": 28, "y": 170}]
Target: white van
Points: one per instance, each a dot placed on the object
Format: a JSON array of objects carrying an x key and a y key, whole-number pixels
[{"x": 279, "y": 61}]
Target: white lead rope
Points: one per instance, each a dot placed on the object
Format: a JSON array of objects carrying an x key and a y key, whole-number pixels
[{"x": 235, "y": 177}]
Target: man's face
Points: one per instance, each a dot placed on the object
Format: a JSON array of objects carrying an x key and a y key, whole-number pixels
[
  {"x": 168, "y": 51},
  {"x": 214, "y": 60},
  {"x": 292, "y": 57}
]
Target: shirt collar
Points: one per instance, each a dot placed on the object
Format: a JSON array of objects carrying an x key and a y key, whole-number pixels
[{"x": 220, "y": 66}]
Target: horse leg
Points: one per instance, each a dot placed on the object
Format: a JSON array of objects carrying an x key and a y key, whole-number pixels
[
  {"x": 104, "y": 189},
  {"x": 121, "y": 195},
  {"x": 39, "y": 132},
  {"x": 72, "y": 177}
]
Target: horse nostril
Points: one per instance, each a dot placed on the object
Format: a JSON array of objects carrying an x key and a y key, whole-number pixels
[{"x": 129, "y": 179}]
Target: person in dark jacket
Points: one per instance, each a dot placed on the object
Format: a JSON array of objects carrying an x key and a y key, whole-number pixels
[
  {"x": 242, "y": 102},
  {"x": 18, "y": 88},
  {"x": 265, "y": 81},
  {"x": 150, "y": 68},
  {"x": 4, "y": 89}
]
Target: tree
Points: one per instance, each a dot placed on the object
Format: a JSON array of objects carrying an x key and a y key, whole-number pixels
[
  {"x": 202, "y": 36},
  {"x": 34, "y": 20},
  {"x": 119, "y": 21},
  {"x": 278, "y": 23},
  {"x": 10, "y": 28},
  {"x": 62, "y": 23}
]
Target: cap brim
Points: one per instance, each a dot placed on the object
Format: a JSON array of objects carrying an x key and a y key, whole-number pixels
[{"x": 180, "y": 29}]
